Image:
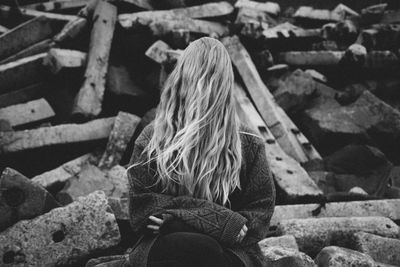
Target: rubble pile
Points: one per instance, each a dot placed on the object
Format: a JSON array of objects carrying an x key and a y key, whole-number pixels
[{"x": 79, "y": 79}]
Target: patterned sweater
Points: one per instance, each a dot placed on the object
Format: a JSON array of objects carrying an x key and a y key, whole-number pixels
[{"x": 253, "y": 205}]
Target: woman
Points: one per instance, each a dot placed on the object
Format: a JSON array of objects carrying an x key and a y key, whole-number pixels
[{"x": 201, "y": 192}]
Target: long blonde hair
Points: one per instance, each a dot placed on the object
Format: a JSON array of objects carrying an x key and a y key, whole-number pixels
[{"x": 196, "y": 143}]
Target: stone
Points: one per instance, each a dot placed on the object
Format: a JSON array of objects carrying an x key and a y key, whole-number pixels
[
  {"x": 286, "y": 241},
  {"x": 313, "y": 234},
  {"x": 333, "y": 256},
  {"x": 63, "y": 236},
  {"x": 368, "y": 118},
  {"x": 32, "y": 111},
  {"x": 113, "y": 182},
  {"x": 21, "y": 199},
  {"x": 295, "y": 91},
  {"x": 381, "y": 249},
  {"x": 359, "y": 166},
  {"x": 389, "y": 208},
  {"x": 124, "y": 126},
  {"x": 282, "y": 257}
]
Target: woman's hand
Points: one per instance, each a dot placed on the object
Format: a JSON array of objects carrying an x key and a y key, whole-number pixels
[
  {"x": 155, "y": 224},
  {"x": 242, "y": 234}
]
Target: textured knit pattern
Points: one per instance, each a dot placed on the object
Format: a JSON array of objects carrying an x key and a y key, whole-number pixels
[{"x": 253, "y": 205}]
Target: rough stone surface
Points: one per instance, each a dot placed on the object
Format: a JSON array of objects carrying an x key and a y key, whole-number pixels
[
  {"x": 21, "y": 199},
  {"x": 283, "y": 257},
  {"x": 389, "y": 208},
  {"x": 63, "y": 236},
  {"x": 91, "y": 178},
  {"x": 342, "y": 257},
  {"x": 294, "y": 92},
  {"x": 286, "y": 241},
  {"x": 381, "y": 249},
  {"x": 313, "y": 234}
]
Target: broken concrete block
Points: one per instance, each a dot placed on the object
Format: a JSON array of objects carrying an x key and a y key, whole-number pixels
[
  {"x": 333, "y": 256},
  {"x": 359, "y": 165},
  {"x": 21, "y": 73},
  {"x": 64, "y": 236},
  {"x": 64, "y": 172},
  {"x": 286, "y": 241},
  {"x": 368, "y": 118},
  {"x": 32, "y": 111},
  {"x": 57, "y": 59},
  {"x": 313, "y": 234},
  {"x": 200, "y": 11},
  {"x": 381, "y": 249},
  {"x": 113, "y": 182},
  {"x": 55, "y": 135},
  {"x": 124, "y": 126},
  {"x": 88, "y": 101},
  {"x": 282, "y": 257},
  {"x": 295, "y": 91},
  {"x": 21, "y": 199},
  {"x": 389, "y": 208},
  {"x": 25, "y": 35}
]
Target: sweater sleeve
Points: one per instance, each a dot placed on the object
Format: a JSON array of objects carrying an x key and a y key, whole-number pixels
[
  {"x": 259, "y": 195},
  {"x": 205, "y": 216}
]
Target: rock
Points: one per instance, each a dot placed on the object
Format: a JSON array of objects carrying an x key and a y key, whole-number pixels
[
  {"x": 313, "y": 234},
  {"x": 381, "y": 249},
  {"x": 91, "y": 178},
  {"x": 295, "y": 91},
  {"x": 286, "y": 241},
  {"x": 64, "y": 236},
  {"x": 282, "y": 257},
  {"x": 339, "y": 257},
  {"x": 21, "y": 199},
  {"x": 361, "y": 166},
  {"x": 368, "y": 119},
  {"x": 389, "y": 208},
  {"x": 124, "y": 126}
]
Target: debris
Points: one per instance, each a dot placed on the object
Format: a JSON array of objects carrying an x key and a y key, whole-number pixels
[
  {"x": 306, "y": 12},
  {"x": 63, "y": 236},
  {"x": 280, "y": 257},
  {"x": 311, "y": 58},
  {"x": 336, "y": 257},
  {"x": 268, "y": 7},
  {"x": 286, "y": 241},
  {"x": 57, "y": 5},
  {"x": 313, "y": 234},
  {"x": 57, "y": 59},
  {"x": 381, "y": 249},
  {"x": 21, "y": 199},
  {"x": 32, "y": 111},
  {"x": 89, "y": 99}
]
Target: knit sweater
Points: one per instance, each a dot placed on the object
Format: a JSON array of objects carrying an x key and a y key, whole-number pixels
[{"x": 252, "y": 205}]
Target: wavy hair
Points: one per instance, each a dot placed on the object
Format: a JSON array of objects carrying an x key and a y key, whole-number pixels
[{"x": 196, "y": 144}]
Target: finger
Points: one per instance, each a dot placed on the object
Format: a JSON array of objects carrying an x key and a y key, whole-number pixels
[
  {"x": 241, "y": 233},
  {"x": 156, "y": 220},
  {"x": 153, "y": 227},
  {"x": 245, "y": 228}
]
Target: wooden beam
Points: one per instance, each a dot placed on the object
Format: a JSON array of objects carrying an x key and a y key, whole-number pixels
[
  {"x": 306, "y": 12},
  {"x": 268, "y": 7},
  {"x": 56, "y": 5},
  {"x": 21, "y": 73},
  {"x": 58, "y": 59},
  {"x": 32, "y": 111},
  {"x": 201, "y": 11},
  {"x": 311, "y": 58},
  {"x": 22, "y": 95},
  {"x": 7, "y": 12},
  {"x": 26, "y": 35},
  {"x": 37, "y": 48},
  {"x": 55, "y": 135},
  {"x": 264, "y": 100},
  {"x": 89, "y": 99},
  {"x": 291, "y": 178}
]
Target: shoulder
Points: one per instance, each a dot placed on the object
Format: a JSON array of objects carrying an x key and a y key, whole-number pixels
[{"x": 251, "y": 140}]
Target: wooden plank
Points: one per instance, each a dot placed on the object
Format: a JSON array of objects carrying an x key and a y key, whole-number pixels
[
  {"x": 306, "y": 12},
  {"x": 311, "y": 58},
  {"x": 64, "y": 172},
  {"x": 57, "y": 59},
  {"x": 124, "y": 126},
  {"x": 56, "y": 5},
  {"x": 89, "y": 99},
  {"x": 32, "y": 111},
  {"x": 201, "y": 11},
  {"x": 7, "y": 12},
  {"x": 268, "y": 7},
  {"x": 55, "y": 135},
  {"x": 291, "y": 178},
  {"x": 71, "y": 30},
  {"x": 263, "y": 99},
  {"x": 22, "y": 95},
  {"x": 25, "y": 35},
  {"x": 35, "y": 49},
  {"x": 21, "y": 73}
]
